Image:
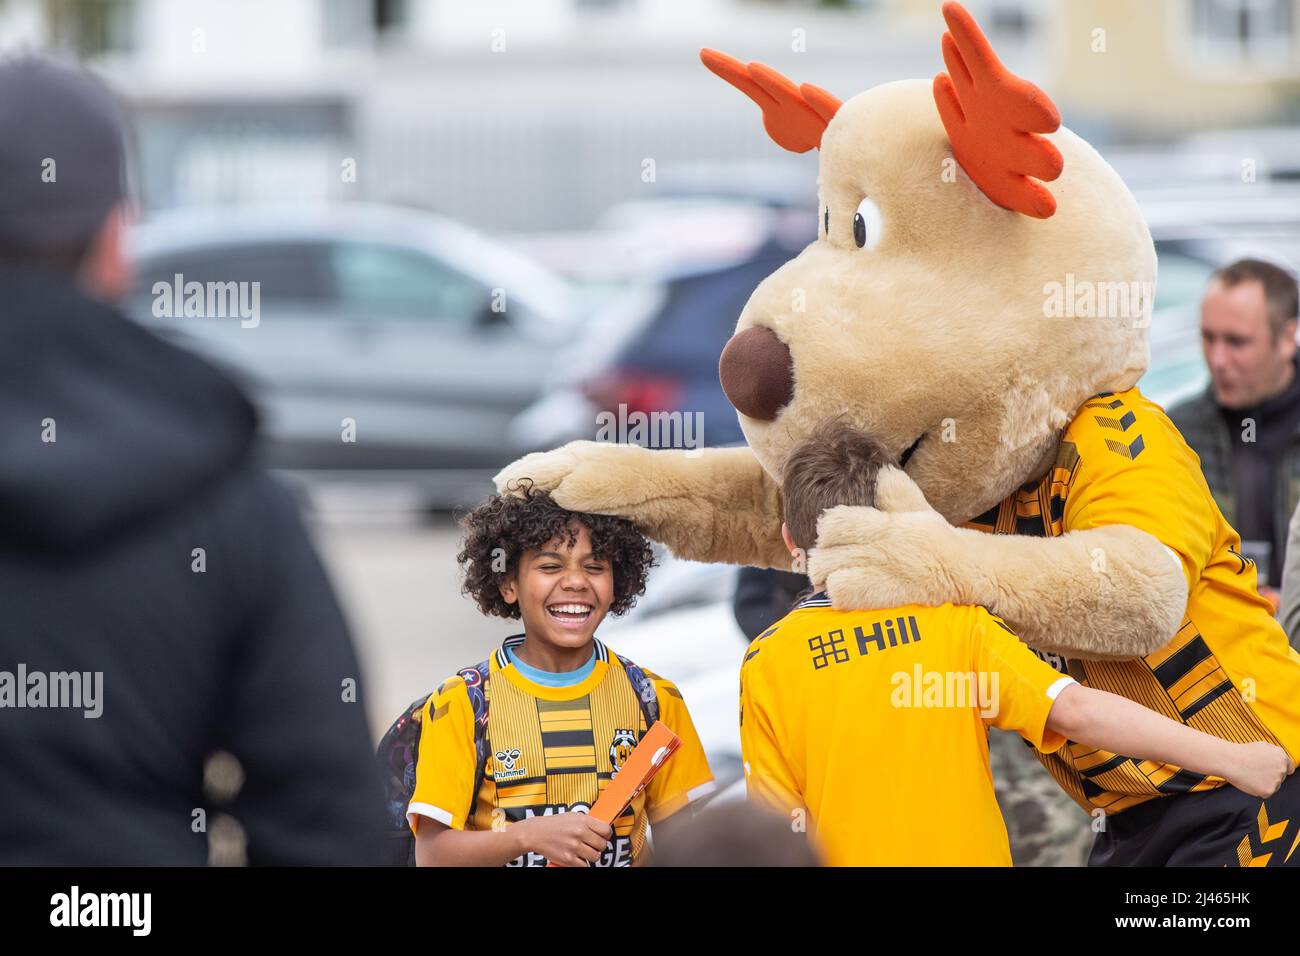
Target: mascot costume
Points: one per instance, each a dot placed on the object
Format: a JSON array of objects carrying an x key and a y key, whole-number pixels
[{"x": 989, "y": 329}]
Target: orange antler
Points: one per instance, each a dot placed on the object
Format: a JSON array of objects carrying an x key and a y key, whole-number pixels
[
  {"x": 993, "y": 117},
  {"x": 794, "y": 116}
]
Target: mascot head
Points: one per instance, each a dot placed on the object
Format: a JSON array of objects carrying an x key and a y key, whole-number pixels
[{"x": 954, "y": 306}]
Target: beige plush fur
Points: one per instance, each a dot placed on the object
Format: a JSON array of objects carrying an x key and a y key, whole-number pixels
[
  {"x": 1056, "y": 589},
  {"x": 936, "y": 330},
  {"x": 715, "y": 504}
]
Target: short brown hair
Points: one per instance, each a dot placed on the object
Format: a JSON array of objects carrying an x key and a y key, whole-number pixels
[
  {"x": 1279, "y": 288},
  {"x": 836, "y": 465}
]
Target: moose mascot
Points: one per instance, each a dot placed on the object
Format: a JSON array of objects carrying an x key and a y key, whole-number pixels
[{"x": 977, "y": 300}]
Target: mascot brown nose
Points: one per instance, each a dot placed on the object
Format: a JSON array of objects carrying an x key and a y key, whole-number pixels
[{"x": 757, "y": 373}]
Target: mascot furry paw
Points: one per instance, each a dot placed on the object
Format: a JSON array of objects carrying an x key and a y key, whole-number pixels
[{"x": 931, "y": 312}]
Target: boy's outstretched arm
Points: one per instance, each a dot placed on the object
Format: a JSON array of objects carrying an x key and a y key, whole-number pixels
[
  {"x": 714, "y": 504},
  {"x": 569, "y": 839},
  {"x": 1116, "y": 724}
]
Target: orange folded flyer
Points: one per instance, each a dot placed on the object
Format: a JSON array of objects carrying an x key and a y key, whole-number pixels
[{"x": 637, "y": 771}]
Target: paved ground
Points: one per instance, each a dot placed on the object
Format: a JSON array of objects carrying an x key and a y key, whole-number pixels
[{"x": 396, "y": 576}]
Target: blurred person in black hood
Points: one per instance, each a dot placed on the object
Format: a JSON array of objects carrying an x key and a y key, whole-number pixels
[{"x": 159, "y": 598}]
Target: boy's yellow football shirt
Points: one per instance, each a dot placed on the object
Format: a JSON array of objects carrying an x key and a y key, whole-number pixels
[
  {"x": 871, "y": 728},
  {"x": 552, "y": 750},
  {"x": 1228, "y": 670}
]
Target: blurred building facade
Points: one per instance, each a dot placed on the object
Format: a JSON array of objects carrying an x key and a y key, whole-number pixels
[
  {"x": 1161, "y": 68},
  {"x": 521, "y": 115}
]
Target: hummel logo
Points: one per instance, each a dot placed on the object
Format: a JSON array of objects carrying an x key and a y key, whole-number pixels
[{"x": 1129, "y": 451}]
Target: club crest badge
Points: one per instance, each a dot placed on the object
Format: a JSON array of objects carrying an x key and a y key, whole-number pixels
[{"x": 622, "y": 747}]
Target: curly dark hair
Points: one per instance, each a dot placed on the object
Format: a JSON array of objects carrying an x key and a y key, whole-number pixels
[{"x": 526, "y": 518}]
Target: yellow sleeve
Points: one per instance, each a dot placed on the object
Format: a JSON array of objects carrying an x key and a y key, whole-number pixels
[
  {"x": 686, "y": 777},
  {"x": 768, "y": 778},
  {"x": 444, "y": 769},
  {"x": 1135, "y": 469},
  {"x": 1021, "y": 688}
]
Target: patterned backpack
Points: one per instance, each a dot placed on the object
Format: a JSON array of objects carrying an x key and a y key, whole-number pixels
[{"x": 399, "y": 750}]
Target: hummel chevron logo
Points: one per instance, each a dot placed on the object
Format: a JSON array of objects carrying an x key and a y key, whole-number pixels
[
  {"x": 1268, "y": 832},
  {"x": 1120, "y": 424},
  {"x": 1129, "y": 451}
]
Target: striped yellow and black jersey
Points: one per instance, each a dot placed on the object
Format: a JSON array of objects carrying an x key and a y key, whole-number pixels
[
  {"x": 551, "y": 750},
  {"x": 1228, "y": 670}
]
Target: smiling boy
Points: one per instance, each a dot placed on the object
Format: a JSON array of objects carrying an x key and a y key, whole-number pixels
[{"x": 563, "y": 711}]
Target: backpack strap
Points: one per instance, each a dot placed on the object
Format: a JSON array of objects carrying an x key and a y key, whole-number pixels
[
  {"x": 476, "y": 685},
  {"x": 644, "y": 687}
]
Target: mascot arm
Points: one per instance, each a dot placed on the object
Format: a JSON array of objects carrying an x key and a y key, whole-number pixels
[
  {"x": 1112, "y": 592},
  {"x": 714, "y": 504},
  {"x": 1105, "y": 593}
]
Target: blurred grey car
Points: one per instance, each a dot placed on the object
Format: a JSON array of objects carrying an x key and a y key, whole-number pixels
[{"x": 413, "y": 336}]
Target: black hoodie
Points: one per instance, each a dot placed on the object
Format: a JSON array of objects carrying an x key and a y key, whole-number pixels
[{"x": 142, "y": 549}]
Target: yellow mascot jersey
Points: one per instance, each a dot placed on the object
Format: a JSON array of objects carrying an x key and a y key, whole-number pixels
[
  {"x": 875, "y": 725},
  {"x": 552, "y": 750},
  {"x": 1228, "y": 670}
]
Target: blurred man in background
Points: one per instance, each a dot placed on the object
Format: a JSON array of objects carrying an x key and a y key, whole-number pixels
[
  {"x": 1246, "y": 426},
  {"x": 161, "y": 600}
]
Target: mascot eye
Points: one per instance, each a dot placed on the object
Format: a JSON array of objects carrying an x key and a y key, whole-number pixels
[
  {"x": 826, "y": 222},
  {"x": 867, "y": 225}
]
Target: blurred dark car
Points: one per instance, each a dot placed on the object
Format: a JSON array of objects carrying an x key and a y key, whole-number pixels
[
  {"x": 666, "y": 358},
  {"x": 672, "y": 364},
  {"x": 427, "y": 336}
]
